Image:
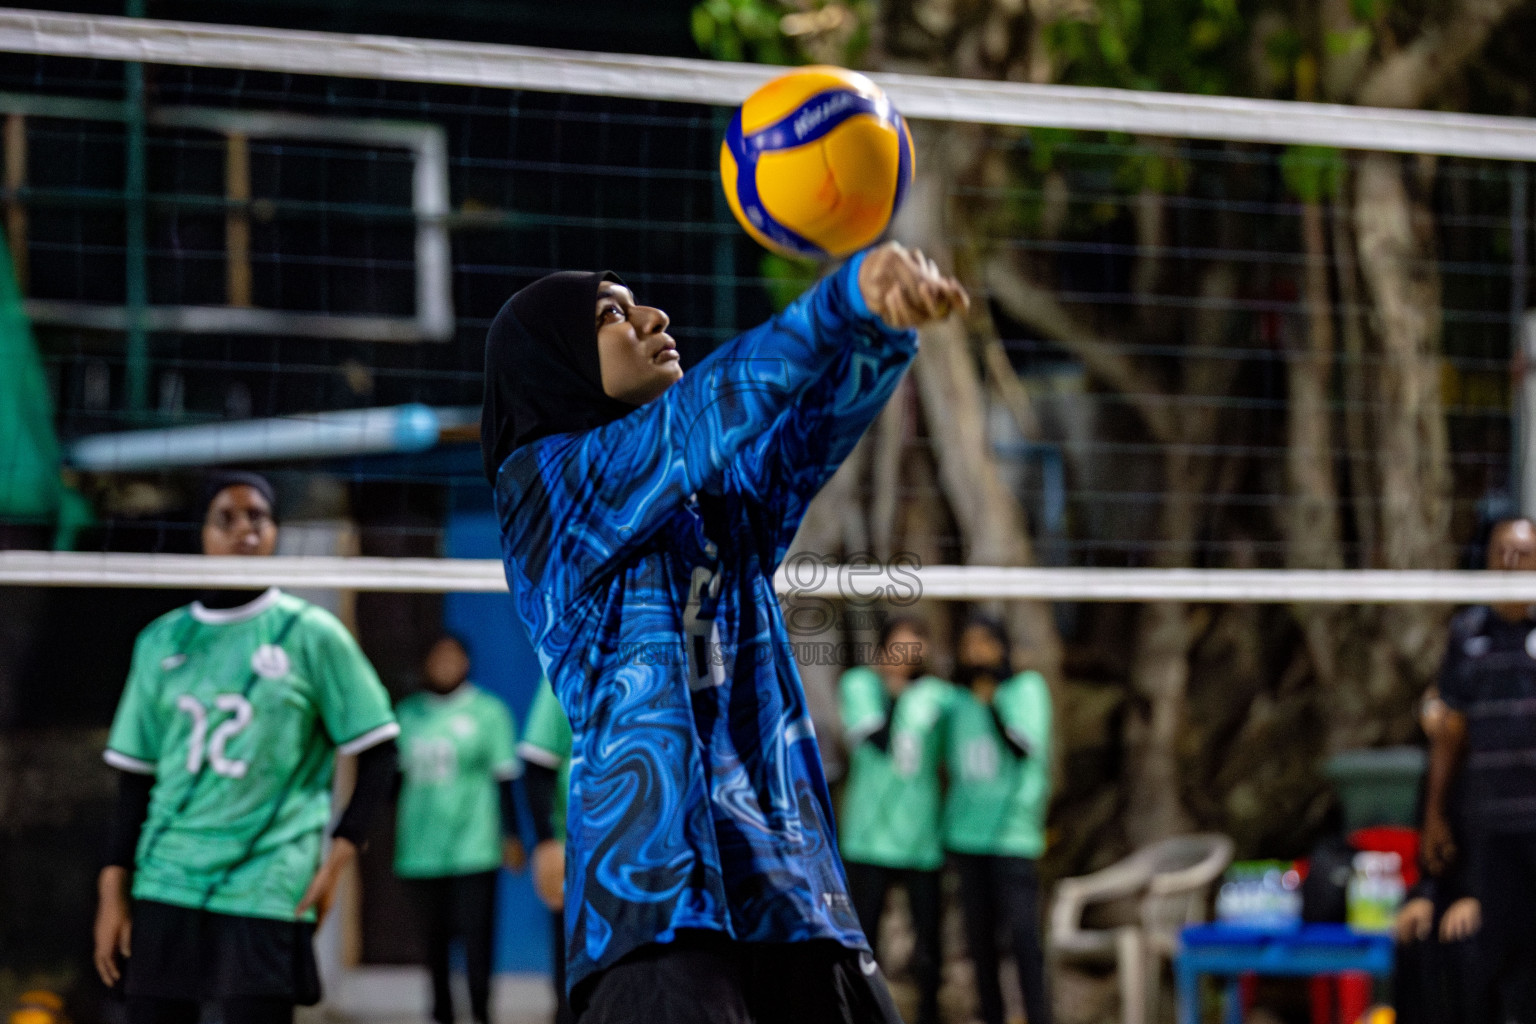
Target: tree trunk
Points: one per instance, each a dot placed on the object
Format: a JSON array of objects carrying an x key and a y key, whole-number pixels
[
  {"x": 890, "y": 438},
  {"x": 1160, "y": 669},
  {"x": 1312, "y": 510},
  {"x": 1404, "y": 285},
  {"x": 992, "y": 523},
  {"x": 1369, "y": 661},
  {"x": 1311, "y": 519},
  {"x": 1160, "y": 679},
  {"x": 1150, "y": 212},
  {"x": 1362, "y": 461}
]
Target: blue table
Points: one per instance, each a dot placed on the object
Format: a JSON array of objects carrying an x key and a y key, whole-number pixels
[{"x": 1308, "y": 951}]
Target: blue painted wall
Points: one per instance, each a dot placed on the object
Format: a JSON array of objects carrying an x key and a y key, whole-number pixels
[{"x": 502, "y": 662}]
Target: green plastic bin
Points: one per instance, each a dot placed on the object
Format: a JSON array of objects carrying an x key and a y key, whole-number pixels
[{"x": 1379, "y": 786}]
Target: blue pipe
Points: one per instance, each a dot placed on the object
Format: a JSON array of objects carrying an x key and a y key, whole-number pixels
[{"x": 402, "y": 428}]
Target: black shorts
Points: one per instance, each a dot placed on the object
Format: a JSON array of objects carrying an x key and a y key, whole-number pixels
[
  {"x": 181, "y": 953},
  {"x": 705, "y": 978}
]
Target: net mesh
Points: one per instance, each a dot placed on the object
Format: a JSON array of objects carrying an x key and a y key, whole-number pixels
[{"x": 1153, "y": 297}]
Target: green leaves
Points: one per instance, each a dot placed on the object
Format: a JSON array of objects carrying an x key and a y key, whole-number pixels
[
  {"x": 1312, "y": 173},
  {"x": 1342, "y": 44},
  {"x": 1217, "y": 24},
  {"x": 1043, "y": 143},
  {"x": 739, "y": 30},
  {"x": 785, "y": 279},
  {"x": 1173, "y": 45},
  {"x": 1152, "y": 170},
  {"x": 1368, "y": 11},
  {"x": 783, "y": 31}
]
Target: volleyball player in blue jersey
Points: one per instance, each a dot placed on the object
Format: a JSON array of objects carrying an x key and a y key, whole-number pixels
[{"x": 643, "y": 512}]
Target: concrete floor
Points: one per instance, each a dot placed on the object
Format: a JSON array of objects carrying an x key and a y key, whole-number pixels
[{"x": 401, "y": 995}]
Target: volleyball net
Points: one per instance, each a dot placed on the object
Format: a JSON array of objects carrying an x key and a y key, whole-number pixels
[{"x": 281, "y": 250}]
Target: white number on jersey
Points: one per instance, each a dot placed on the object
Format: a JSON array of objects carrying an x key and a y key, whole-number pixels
[
  {"x": 906, "y": 754},
  {"x": 434, "y": 760},
  {"x": 978, "y": 760},
  {"x": 200, "y": 745}
]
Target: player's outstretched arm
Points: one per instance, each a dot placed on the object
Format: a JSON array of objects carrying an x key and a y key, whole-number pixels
[{"x": 870, "y": 327}]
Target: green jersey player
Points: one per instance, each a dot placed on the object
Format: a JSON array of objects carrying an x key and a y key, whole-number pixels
[
  {"x": 457, "y": 822},
  {"x": 893, "y": 720},
  {"x": 226, "y": 738},
  {"x": 999, "y": 751}
]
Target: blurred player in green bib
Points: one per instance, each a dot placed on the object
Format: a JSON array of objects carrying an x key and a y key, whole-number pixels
[
  {"x": 893, "y": 717},
  {"x": 546, "y": 753},
  {"x": 999, "y": 752},
  {"x": 457, "y": 820},
  {"x": 225, "y": 740}
]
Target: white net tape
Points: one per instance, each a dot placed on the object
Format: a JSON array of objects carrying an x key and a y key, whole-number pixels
[
  {"x": 803, "y": 578},
  {"x": 716, "y": 82}
]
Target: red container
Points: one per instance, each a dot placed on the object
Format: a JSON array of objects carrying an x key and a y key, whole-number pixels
[{"x": 1391, "y": 839}]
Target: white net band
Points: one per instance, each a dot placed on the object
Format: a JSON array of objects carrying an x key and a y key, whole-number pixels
[
  {"x": 898, "y": 584},
  {"x": 724, "y": 83}
]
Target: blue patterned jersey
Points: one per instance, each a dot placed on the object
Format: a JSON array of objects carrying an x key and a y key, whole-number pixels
[{"x": 640, "y": 556}]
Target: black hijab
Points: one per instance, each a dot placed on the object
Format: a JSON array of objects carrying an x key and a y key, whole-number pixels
[
  {"x": 542, "y": 374},
  {"x": 965, "y": 675},
  {"x": 221, "y": 480},
  {"x": 214, "y": 484}
]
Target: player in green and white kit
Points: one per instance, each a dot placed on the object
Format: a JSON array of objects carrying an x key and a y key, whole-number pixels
[
  {"x": 546, "y": 753},
  {"x": 226, "y": 738},
  {"x": 999, "y": 751},
  {"x": 457, "y": 820},
  {"x": 893, "y": 717}
]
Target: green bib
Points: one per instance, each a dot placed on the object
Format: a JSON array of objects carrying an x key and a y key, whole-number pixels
[
  {"x": 454, "y": 750},
  {"x": 238, "y": 715},
  {"x": 891, "y": 803},
  {"x": 997, "y": 801}
]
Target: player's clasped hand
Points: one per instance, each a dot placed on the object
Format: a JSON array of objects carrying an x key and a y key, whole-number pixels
[{"x": 907, "y": 289}]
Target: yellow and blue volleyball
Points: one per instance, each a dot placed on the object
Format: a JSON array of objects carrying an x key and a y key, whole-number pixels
[{"x": 816, "y": 163}]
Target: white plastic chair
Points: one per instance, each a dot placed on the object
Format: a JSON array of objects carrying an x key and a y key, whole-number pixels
[{"x": 1140, "y": 904}]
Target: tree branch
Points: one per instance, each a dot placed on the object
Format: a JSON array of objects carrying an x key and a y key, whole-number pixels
[
  {"x": 889, "y": 438},
  {"x": 989, "y": 515},
  {"x": 1010, "y": 390},
  {"x": 1029, "y": 303},
  {"x": 1415, "y": 74}
]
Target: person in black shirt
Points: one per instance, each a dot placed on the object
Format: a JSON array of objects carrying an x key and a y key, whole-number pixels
[
  {"x": 1437, "y": 978},
  {"x": 1488, "y": 683}
]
